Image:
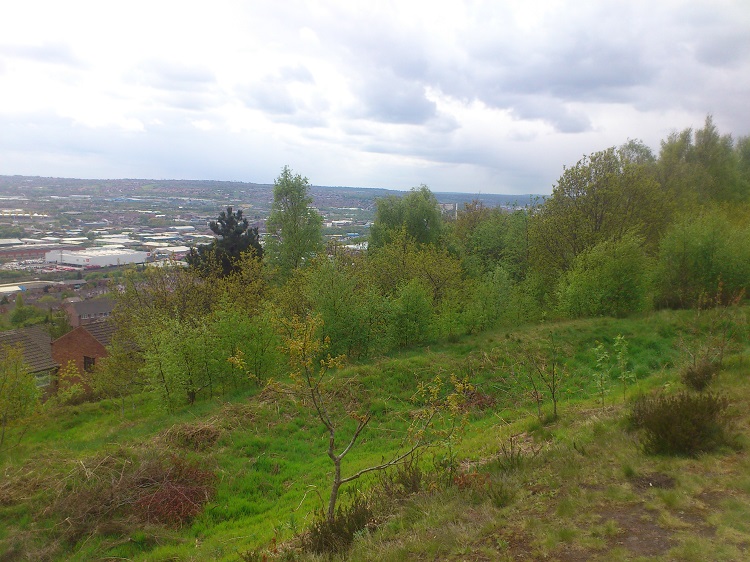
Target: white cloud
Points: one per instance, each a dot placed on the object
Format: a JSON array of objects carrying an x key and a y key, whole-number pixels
[{"x": 478, "y": 95}]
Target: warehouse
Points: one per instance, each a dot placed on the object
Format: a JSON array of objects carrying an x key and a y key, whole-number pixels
[{"x": 96, "y": 257}]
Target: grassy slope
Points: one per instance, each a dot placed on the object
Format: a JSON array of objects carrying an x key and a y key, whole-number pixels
[{"x": 581, "y": 489}]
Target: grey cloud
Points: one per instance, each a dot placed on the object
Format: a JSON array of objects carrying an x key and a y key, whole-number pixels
[
  {"x": 174, "y": 76},
  {"x": 390, "y": 99},
  {"x": 551, "y": 111},
  {"x": 49, "y": 53},
  {"x": 724, "y": 50},
  {"x": 297, "y": 73},
  {"x": 271, "y": 94},
  {"x": 268, "y": 96}
]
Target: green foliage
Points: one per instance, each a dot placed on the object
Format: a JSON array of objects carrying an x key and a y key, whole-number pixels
[
  {"x": 609, "y": 279},
  {"x": 602, "y": 371},
  {"x": 26, "y": 315},
  {"x": 411, "y": 315},
  {"x": 417, "y": 213},
  {"x": 697, "y": 255},
  {"x": 354, "y": 315},
  {"x": 58, "y": 324},
  {"x": 489, "y": 238},
  {"x": 681, "y": 424},
  {"x": 19, "y": 395},
  {"x": 119, "y": 375},
  {"x": 251, "y": 343},
  {"x": 700, "y": 166},
  {"x": 603, "y": 197},
  {"x": 490, "y": 302},
  {"x": 69, "y": 386},
  {"x": 625, "y": 375},
  {"x": 294, "y": 228}
]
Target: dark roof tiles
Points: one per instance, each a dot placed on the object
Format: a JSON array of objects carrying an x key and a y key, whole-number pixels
[{"x": 35, "y": 343}]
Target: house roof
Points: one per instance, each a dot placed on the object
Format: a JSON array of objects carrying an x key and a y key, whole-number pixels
[
  {"x": 92, "y": 306},
  {"x": 36, "y": 345},
  {"x": 102, "y": 331}
]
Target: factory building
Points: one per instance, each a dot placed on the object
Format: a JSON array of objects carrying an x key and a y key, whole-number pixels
[{"x": 95, "y": 257}]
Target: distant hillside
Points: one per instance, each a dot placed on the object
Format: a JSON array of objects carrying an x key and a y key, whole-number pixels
[{"x": 223, "y": 192}]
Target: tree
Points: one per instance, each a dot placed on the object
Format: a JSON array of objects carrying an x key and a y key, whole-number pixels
[
  {"x": 699, "y": 166},
  {"x": 340, "y": 411},
  {"x": 19, "y": 395},
  {"x": 25, "y": 314},
  {"x": 294, "y": 228},
  {"x": 609, "y": 279},
  {"x": 601, "y": 198},
  {"x": 418, "y": 213},
  {"x": 235, "y": 237},
  {"x": 354, "y": 315},
  {"x": 697, "y": 255}
]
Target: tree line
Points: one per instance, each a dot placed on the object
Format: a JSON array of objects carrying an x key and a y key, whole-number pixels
[{"x": 624, "y": 231}]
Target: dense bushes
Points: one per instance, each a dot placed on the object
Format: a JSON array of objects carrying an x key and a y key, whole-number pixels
[
  {"x": 698, "y": 255},
  {"x": 610, "y": 279},
  {"x": 685, "y": 423}
]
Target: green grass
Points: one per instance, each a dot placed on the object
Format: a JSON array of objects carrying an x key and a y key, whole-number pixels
[{"x": 572, "y": 485}]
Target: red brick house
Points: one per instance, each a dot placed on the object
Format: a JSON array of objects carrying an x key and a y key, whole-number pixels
[
  {"x": 83, "y": 345},
  {"x": 85, "y": 312}
]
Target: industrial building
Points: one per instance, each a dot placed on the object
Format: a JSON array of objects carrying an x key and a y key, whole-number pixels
[{"x": 96, "y": 257}]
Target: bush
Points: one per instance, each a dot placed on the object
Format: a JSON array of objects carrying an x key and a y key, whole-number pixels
[
  {"x": 336, "y": 535},
  {"x": 126, "y": 489},
  {"x": 681, "y": 424},
  {"x": 699, "y": 375},
  {"x": 609, "y": 279}
]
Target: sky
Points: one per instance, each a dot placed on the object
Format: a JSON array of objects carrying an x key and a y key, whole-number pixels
[{"x": 462, "y": 96}]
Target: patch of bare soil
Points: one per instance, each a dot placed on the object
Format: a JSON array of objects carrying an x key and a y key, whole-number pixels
[
  {"x": 653, "y": 480},
  {"x": 695, "y": 521},
  {"x": 639, "y": 533}
]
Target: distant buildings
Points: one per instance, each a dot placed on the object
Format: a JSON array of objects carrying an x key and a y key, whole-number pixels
[{"x": 96, "y": 257}]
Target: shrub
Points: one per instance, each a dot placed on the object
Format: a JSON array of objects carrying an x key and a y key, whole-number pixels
[
  {"x": 681, "y": 424},
  {"x": 609, "y": 279},
  {"x": 176, "y": 493},
  {"x": 403, "y": 480},
  {"x": 126, "y": 489},
  {"x": 699, "y": 375},
  {"x": 329, "y": 536}
]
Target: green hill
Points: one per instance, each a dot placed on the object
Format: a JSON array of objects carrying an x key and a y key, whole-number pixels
[{"x": 242, "y": 478}]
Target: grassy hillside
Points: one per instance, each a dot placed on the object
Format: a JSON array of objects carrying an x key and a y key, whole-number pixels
[{"x": 130, "y": 481}]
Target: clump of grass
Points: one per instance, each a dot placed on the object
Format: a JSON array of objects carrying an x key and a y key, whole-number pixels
[
  {"x": 681, "y": 424},
  {"x": 698, "y": 376},
  {"x": 198, "y": 436},
  {"x": 328, "y": 536},
  {"x": 403, "y": 480}
]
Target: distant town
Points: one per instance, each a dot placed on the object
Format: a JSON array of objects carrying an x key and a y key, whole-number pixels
[{"x": 53, "y": 229}]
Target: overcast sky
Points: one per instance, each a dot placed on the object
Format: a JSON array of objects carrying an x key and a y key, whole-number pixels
[{"x": 484, "y": 97}]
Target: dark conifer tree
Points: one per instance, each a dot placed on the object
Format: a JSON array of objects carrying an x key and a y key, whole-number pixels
[{"x": 234, "y": 236}]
